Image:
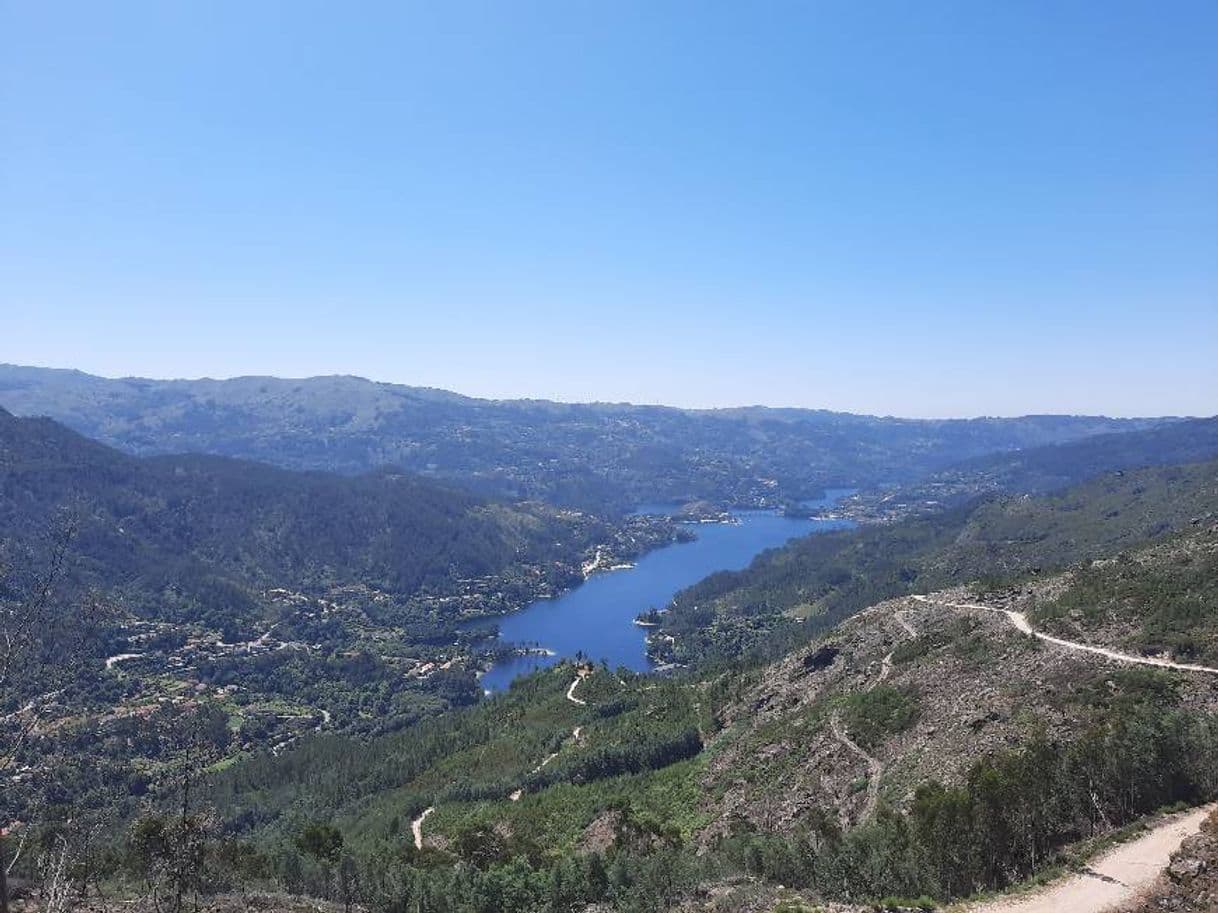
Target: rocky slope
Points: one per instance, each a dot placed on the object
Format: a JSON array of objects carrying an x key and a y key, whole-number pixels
[
  {"x": 914, "y": 691},
  {"x": 1190, "y": 883}
]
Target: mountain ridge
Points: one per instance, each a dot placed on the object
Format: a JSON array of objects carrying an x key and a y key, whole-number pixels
[
  {"x": 12, "y": 371},
  {"x": 604, "y": 457}
]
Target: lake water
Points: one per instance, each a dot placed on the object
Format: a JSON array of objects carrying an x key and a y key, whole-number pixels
[{"x": 597, "y": 617}]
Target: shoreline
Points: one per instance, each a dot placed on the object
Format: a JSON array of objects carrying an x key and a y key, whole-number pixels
[{"x": 737, "y": 518}]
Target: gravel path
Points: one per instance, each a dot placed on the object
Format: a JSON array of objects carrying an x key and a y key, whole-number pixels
[
  {"x": 875, "y": 769},
  {"x": 1111, "y": 879},
  {"x": 1021, "y": 623},
  {"x": 416, "y": 826}
]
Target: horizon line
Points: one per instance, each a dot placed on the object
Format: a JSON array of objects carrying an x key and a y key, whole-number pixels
[{"x": 596, "y": 402}]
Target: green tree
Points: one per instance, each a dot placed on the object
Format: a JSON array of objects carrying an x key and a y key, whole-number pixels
[{"x": 324, "y": 843}]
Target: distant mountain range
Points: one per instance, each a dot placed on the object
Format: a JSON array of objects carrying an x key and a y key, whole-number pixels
[
  {"x": 1039, "y": 470},
  {"x": 602, "y": 456}
]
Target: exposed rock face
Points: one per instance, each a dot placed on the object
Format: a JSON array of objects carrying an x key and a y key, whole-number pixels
[{"x": 1190, "y": 884}]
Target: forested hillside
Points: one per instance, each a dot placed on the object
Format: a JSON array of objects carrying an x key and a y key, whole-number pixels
[
  {"x": 1040, "y": 470},
  {"x": 792, "y": 593},
  {"x": 602, "y": 456},
  {"x": 268, "y": 686},
  {"x": 219, "y": 530},
  {"x": 920, "y": 748},
  {"x": 261, "y": 603}
]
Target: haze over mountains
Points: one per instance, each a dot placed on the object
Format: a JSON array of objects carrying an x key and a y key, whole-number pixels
[{"x": 604, "y": 456}]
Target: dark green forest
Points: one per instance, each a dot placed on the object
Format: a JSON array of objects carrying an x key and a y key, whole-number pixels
[{"x": 199, "y": 535}]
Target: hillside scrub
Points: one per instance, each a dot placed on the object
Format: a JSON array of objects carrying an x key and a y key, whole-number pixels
[
  {"x": 1161, "y": 601},
  {"x": 1012, "y": 815},
  {"x": 790, "y": 595},
  {"x": 872, "y": 716}
]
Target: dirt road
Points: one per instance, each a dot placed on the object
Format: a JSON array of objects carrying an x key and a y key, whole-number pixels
[
  {"x": 1021, "y": 623},
  {"x": 875, "y": 770},
  {"x": 571, "y": 691},
  {"x": 1111, "y": 879},
  {"x": 416, "y": 826}
]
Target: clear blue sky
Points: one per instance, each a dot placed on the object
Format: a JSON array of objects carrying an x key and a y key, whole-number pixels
[{"x": 918, "y": 208}]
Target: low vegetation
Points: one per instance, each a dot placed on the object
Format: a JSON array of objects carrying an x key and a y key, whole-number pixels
[
  {"x": 871, "y": 716},
  {"x": 1157, "y": 601}
]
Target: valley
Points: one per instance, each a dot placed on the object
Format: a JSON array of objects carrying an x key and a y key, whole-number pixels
[
  {"x": 599, "y": 457},
  {"x": 598, "y": 619},
  {"x": 560, "y": 457},
  {"x": 841, "y": 701}
]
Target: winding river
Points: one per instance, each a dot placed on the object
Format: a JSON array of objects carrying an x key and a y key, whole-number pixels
[{"x": 597, "y": 618}]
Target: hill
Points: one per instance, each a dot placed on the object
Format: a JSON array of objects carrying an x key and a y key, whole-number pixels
[
  {"x": 1039, "y": 470},
  {"x": 201, "y": 523},
  {"x": 272, "y": 601},
  {"x": 922, "y": 746},
  {"x": 600, "y": 456},
  {"x": 834, "y": 738},
  {"x": 789, "y": 593}
]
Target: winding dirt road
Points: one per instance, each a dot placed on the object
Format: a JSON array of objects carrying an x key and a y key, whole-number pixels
[
  {"x": 112, "y": 661},
  {"x": 875, "y": 769},
  {"x": 416, "y": 826},
  {"x": 571, "y": 691},
  {"x": 1120, "y": 874},
  {"x": 1111, "y": 879},
  {"x": 1021, "y": 623},
  {"x": 575, "y": 733}
]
